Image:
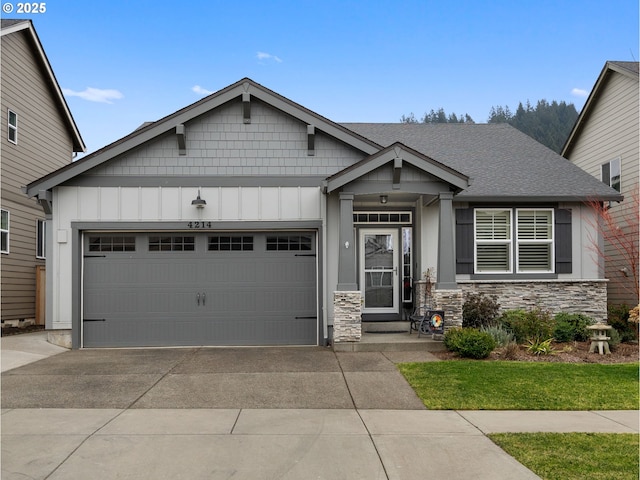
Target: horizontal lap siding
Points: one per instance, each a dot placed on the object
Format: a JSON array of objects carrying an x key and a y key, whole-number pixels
[
  {"x": 612, "y": 131},
  {"x": 44, "y": 144}
]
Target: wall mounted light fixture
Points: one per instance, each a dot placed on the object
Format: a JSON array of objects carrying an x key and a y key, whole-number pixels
[
  {"x": 384, "y": 199},
  {"x": 199, "y": 202}
]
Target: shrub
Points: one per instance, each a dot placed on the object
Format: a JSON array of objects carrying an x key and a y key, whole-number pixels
[
  {"x": 618, "y": 318},
  {"x": 479, "y": 310},
  {"x": 501, "y": 335},
  {"x": 511, "y": 351},
  {"x": 571, "y": 327},
  {"x": 614, "y": 338},
  {"x": 469, "y": 342},
  {"x": 452, "y": 339},
  {"x": 540, "y": 347},
  {"x": 524, "y": 325}
]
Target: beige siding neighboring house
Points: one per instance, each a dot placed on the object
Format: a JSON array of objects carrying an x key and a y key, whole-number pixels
[
  {"x": 39, "y": 135},
  {"x": 605, "y": 143}
]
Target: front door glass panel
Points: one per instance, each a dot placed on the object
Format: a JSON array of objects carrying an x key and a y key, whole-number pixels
[{"x": 379, "y": 270}]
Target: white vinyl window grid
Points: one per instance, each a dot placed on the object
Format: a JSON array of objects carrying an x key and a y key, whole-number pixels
[
  {"x": 12, "y": 123},
  {"x": 493, "y": 244},
  {"x": 41, "y": 239},
  {"x": 611, "y": 173},
  {"x": 4, "y": 231},
  {"x": 534, "y": 240}
]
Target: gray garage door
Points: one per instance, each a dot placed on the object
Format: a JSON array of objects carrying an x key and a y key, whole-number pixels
[{"x": 162, "y": 289}]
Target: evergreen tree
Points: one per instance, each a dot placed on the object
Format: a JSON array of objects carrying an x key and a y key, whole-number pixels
[
  {"x": 439, "y": 116},
  {"x": 548, "y": 123}
]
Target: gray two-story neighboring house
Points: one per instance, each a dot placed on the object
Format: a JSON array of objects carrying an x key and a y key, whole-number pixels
[
  {"x": 247, "y": 219},
  {"x": 39, "y": 135}
]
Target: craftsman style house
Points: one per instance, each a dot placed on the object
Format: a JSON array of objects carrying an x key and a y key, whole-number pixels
[
  {"x": 39, "y": 135},
  {"x": 247, "y": 219},
  {"x": 605, "y": 143}
]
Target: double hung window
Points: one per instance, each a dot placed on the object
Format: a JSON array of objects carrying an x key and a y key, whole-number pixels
[
  {"x": 502, "y": 246},
  {"x": 13, "y": 127}
]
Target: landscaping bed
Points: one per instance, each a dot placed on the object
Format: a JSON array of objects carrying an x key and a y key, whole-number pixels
[{"x": 570, "y": 352}]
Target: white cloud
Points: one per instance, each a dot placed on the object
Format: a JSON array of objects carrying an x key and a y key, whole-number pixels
[
  {"x": 263, "y": 56},
  {"x": 579, "y": 92},
  {"x": 95, "y": 94},
  {"x": 200, "y": 91}
]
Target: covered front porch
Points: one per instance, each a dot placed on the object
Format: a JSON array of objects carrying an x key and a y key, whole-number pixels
[{"x": 396, "y": 222}]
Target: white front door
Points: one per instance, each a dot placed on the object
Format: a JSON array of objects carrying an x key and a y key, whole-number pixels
[{"x": 379, "y": 270}]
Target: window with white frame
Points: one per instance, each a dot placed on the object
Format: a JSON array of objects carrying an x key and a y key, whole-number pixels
[
  {"x": 41, "y": 236},
  {"x": 493, "y": 244},
  {"x": 611, "y": 173},
  {"x": 4, "y": 231},
  {"x": 13, "y": 127},
  {"x": 495, "y": 247},
  {"x": 534, "y": 240}
]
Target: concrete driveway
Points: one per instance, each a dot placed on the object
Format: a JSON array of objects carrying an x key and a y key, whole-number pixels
[
  {"x": 250, "y": 413},
  {"x": 307, "y": 377}
]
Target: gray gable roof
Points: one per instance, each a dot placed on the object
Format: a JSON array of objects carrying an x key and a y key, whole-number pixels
[{"x": 503, "y": 163}]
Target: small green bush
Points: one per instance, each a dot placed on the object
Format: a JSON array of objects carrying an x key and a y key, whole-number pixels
[
  {"x": 618, "y": 318},
  {"x": 479, "y": 310},
  {"x": 571, "y": 327},
  {"x": 614, "y": 338},
  {"x": 500, "y": 335},
  {"x": 536, "y": 323},
  {"x": 452, "y": 339},
  {"x": 469, "y": 342}
]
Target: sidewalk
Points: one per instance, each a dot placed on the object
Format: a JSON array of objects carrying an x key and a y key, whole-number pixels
[
  {"x": 244, "y": 425},
  {"x": 19, "y": 350}
]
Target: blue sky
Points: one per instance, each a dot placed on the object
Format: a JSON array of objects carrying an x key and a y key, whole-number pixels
[{"x": 121, "y": 63}]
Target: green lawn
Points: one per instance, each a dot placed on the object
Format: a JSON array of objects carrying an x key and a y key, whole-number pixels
[
  {"x": 574, "y": 456},
  {"x": 478, "y": 385}
]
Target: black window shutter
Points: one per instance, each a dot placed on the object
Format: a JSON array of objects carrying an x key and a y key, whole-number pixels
[
  {"x": 464, "y": 240},
  {"x": 563, "y": 241}
]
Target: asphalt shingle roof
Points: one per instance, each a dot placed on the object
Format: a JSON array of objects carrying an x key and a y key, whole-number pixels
[{"x": 503, "y": 162}]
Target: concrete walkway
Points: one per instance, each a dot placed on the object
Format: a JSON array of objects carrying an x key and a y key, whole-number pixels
[{"x": 250, "y": 413}]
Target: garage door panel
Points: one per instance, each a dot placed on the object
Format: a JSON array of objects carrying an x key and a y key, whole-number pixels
[{"x": 201, "y": 297}]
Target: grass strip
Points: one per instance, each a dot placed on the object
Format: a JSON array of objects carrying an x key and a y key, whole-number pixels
[
  {"x": 574, "y": 456},
  {"x": 483, "y": 385}
]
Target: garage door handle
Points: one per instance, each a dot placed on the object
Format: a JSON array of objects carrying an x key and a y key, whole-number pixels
[
  {"x": 198, "y": 298},
  {"x": 204, "y": 298}
]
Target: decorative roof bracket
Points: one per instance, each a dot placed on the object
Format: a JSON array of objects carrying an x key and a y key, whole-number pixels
[
  {"x": 246, "y": 107},
  {"x": 311, "y": 140},
  {"x": 182, "y": 139},
  {"x": 397, "y": 168}
]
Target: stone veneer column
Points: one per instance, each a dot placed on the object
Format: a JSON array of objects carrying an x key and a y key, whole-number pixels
[
  {"x": 347, "y": 320},
  {"x": 451, "y": 302}
]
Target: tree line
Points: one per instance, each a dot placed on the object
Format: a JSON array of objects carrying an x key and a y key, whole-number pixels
[{"x": 548, "y": 123}]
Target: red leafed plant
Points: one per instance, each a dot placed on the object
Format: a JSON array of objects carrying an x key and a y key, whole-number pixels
[{"x": 619, "y": 227}]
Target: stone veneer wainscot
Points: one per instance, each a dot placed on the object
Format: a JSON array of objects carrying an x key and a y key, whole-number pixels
[{"x": 580, "y": 296}]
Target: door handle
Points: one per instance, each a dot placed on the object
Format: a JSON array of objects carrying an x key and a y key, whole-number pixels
[
  {"x": 204, "y": 298},
  {"x": 198, "y": 298}
]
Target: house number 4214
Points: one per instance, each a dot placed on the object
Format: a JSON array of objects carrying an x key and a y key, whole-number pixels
[{"x": 199, "y": 225}]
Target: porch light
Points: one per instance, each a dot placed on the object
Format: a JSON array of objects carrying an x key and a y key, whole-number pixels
[
  {"x": 384, "y": 199},
  {"x": 198, "y": 202}
]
